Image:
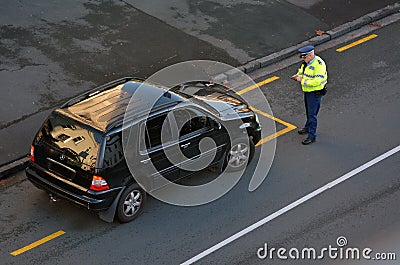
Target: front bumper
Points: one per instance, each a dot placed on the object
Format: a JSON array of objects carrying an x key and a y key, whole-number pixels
[
  {"x": 257, "y": 136},
  {"x": 91, "y": 200}
]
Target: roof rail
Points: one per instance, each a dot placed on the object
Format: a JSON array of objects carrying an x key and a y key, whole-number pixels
[
  {"x": 120, "y": 121},
  {"x": 97, "y": 90}
]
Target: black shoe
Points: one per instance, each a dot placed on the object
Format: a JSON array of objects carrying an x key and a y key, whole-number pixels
[
  {"x": 308, "y": 141},
  {"x": 303, "y": 131}
]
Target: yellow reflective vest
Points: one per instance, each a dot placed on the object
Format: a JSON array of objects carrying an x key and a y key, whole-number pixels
[{"x": 315, "y": 76}]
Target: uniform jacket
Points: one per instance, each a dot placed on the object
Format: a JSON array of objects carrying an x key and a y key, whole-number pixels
[{"x": 315, "y": 75}]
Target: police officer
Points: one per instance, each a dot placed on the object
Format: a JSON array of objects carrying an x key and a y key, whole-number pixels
[{"x": 313, "y": 77}]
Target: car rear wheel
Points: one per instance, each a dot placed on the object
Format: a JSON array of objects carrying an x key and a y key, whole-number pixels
[{"x": 131, "y": 203}]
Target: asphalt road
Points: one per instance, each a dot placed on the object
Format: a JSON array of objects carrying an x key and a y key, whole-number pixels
[
  {"x": 359, "y": 120},
  {"x": 51, "y": 51}
]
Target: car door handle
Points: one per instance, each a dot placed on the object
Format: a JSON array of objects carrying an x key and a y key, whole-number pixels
[
  {"x": 145, "y": 161},
  {"x": 185, "y": 145}
]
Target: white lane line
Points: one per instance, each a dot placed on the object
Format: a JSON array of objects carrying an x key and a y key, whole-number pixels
[{"x": 292, "y": 205}]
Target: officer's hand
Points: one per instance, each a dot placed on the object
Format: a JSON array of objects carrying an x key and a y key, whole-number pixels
[{"x": 297, "y": 78}]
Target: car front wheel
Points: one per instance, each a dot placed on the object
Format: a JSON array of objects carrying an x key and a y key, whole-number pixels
[{"x": 239, "y": 155}]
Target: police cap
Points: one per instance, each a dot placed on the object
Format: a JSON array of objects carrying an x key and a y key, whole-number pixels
[{"x": 306, "y": 50}]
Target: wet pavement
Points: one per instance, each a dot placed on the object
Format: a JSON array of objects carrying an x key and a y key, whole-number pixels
[
  {"x": 54, "y": 50},
  {"x": 335, "y": 13},
  {"x": 358, "y": 122}
]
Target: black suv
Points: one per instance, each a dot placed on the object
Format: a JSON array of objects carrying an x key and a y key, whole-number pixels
[{"x": 78, "y": 152}]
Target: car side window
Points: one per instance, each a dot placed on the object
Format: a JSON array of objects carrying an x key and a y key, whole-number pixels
[
  {"x": 153, "y": 129},
  {"x": 190, "y": 121},
  {"x": 113, "y": 153}
]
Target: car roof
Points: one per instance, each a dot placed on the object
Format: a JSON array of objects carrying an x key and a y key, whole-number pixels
[
  {"x": 104, "y": 107},
  {"x": 217, "y": 98}
]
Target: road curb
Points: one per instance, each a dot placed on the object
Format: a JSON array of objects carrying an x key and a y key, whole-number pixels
[
  {"x": 21, "y": 163},
  {"x": 13, "y": 167},
  {"x": 317, "y": 40}
]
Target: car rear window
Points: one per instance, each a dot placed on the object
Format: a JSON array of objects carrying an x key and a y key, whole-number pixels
[{"x": 78, "y": 142}]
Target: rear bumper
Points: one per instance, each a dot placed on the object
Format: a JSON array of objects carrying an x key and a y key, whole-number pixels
[{"x": 91, "y": 200}]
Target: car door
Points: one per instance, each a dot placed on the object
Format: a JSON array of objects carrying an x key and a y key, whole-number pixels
[
  {"x": 159, "y": 151},
  {"x": 200, "y": 140}
]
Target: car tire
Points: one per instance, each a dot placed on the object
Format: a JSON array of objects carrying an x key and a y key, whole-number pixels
[
  {"x": 239, "y": 155},
  {"x": 131, "y": 203}
]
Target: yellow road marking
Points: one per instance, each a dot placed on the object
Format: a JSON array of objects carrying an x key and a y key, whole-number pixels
[
  {"x": 266, "y": 81},
  {"x": 289, "y": 127},
  {"x": 370, "y": 37},
  {"x": 37, "y": 243}
]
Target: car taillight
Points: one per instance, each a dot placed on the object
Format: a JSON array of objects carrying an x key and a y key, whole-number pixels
[
  {"x": 32, "y": 155},
  {"x": 99, "y": 184}
]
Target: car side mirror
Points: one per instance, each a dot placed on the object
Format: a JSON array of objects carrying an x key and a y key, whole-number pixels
[{"x": 216, "y": 125}]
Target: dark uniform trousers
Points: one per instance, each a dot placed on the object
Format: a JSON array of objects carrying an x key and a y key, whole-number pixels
[{"x": 312, "y": 104}]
